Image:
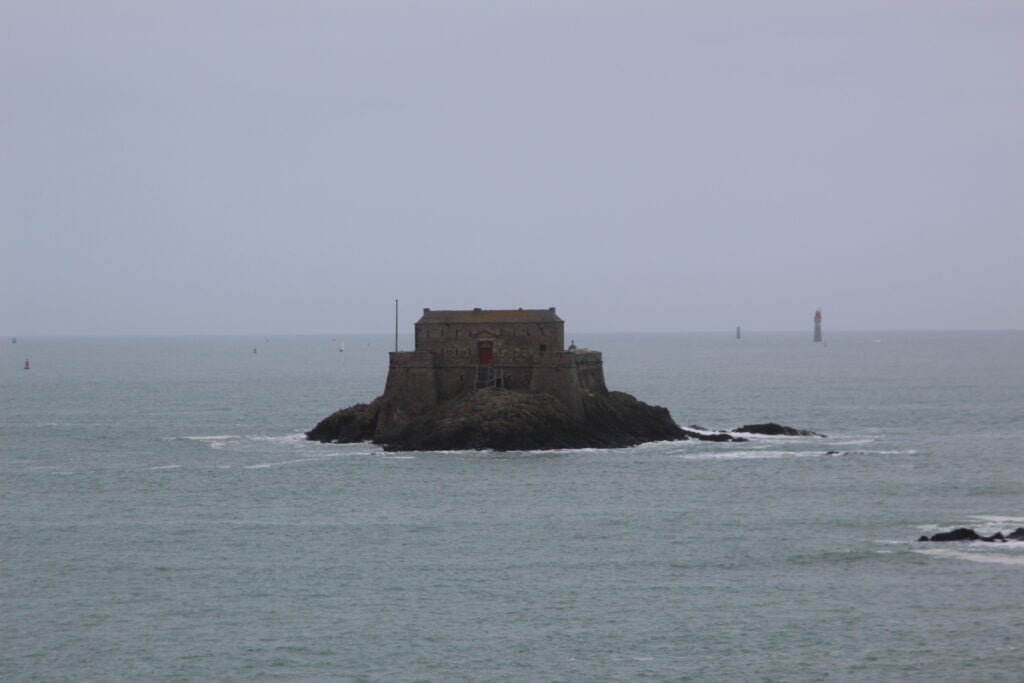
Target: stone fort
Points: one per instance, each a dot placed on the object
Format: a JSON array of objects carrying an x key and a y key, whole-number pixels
[{"x": 460, "y": 351}]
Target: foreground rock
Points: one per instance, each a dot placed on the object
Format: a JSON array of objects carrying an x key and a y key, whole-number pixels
[
  {"x": 773, "y": 429},
  {"x": 504, "y": 420},
  {"x": 965, "y": 534},
  {"x": 350, "y": 425}
]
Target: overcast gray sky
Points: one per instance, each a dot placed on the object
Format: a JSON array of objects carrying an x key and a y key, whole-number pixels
[{"x": 246, "y": 166}]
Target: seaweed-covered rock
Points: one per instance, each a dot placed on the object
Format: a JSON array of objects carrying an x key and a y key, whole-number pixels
[
  {"x": 506, "y": 420},
  {"x": 491, "y": 419}
]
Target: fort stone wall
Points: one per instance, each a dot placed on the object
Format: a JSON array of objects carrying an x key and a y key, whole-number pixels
[
  {"x": 525, "y": 348},
  {"x": 590, "y": 371},
  {"x": 411, "y": 389}
]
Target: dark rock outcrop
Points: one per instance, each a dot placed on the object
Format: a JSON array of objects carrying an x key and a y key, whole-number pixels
[
  {"x": 773, "y": 429},
  {"x": 960, "y": 534},
  {"x": 349, "y": 425},
  {"x": 505, "y": 420},
  {"x": 965, "y": 534}
]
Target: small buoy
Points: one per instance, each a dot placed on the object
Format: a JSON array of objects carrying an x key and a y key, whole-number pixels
[
  {"x": 254, "y": 349},
  {"x": 27, "y": 366}
]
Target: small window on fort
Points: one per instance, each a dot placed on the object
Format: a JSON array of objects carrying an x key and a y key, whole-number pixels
[{"x": 543, "y": 347}]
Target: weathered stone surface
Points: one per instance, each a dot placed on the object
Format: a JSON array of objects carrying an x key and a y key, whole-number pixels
[
  {"x": 513, "y": 420},
  {"x": 773, "y": 429}
]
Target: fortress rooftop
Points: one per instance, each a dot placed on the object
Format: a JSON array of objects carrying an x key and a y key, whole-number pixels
[{"x": 479, "y": 315}]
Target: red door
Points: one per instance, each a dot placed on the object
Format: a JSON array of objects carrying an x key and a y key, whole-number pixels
[{"x": 486, "y": 354}]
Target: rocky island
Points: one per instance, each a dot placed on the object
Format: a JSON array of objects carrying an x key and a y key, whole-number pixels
[{"x": 500, "y": 380}]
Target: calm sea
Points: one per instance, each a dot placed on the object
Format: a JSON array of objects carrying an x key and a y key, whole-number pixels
[{"x": 163, "y": 519}]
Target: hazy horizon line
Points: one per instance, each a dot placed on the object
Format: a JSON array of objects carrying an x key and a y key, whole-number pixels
[{"x": 729, "y": 331}]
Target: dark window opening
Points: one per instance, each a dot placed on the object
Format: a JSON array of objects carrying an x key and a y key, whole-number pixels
[{"x": 543, "y": 347}]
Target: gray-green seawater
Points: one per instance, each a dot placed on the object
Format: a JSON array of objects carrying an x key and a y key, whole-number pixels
[{"x": 163, "y": 519}]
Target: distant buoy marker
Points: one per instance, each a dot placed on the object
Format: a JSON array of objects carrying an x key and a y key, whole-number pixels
[{"x": 28, "y": 366}]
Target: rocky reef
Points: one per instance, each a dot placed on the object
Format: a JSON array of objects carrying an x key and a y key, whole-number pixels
[
  {"x": 965, "y": 534},
  {"x": 773, "y": 429},
  {"x": 503, "y": 420}
]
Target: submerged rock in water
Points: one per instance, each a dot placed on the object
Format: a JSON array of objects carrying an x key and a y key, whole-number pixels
[
  {"x": 773, "y": 429},
  {"x": 965, "y": 534},
  {"x": 502, "y": 420}
]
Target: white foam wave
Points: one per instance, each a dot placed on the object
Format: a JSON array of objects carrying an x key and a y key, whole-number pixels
[
  {"x": 216, "y": 437},
  {"x": 985, "y": 525},
  {"x": 906, "y": 452},
  {"x": 568, "y": 451},
  {"x": 751, "y": 455},
  {"x": 973, "y": 556},
  {"x": 166, "y": 467},
  {"x": 285, "y": 438},
  {"x": 264, "y": 465},
  {"x": 999, "y": 519},
  {"x": 709, "y": 432},
  {"x": 766, "y": 439}
]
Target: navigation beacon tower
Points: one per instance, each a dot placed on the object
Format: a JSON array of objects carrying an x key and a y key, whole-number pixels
[{"x": 817, "y": 325}]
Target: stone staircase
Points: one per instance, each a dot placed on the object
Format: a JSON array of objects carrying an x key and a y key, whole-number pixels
[{"x": 488, "y": 376}]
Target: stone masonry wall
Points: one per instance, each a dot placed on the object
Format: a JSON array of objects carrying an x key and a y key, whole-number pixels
[
  {"x": 411, "y": 388},
  {"x": 511, "y": 341},
  {"x": 418, "y": 380},
  {"x": 590, "y": 371},
  {"x": 555, "y": 374}
]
